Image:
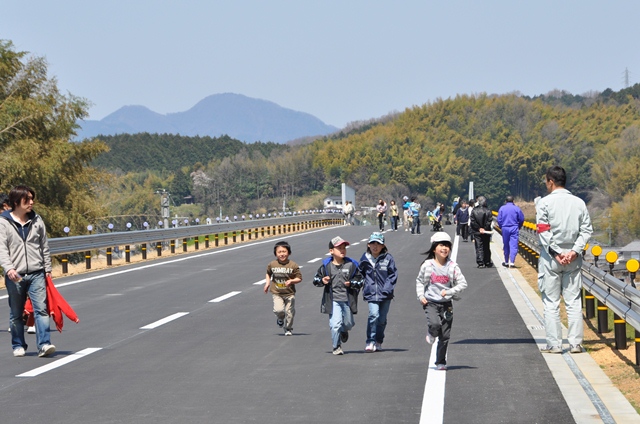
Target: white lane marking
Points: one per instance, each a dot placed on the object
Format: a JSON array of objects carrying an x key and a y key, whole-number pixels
[
  {"x": 314, "y": 260},
  {"x": 433, "y": 400},
  {"x": 164, "y": 321},
  {"x": 365, "y": 239},
  {"x": 257, "y": 283},
  {"x": 355, "y": 244},
  {"x": 60, "y": 362},
  {"x": 225, "y": 297}
]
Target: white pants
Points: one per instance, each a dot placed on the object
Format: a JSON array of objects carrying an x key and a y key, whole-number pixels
[{"x": 555, "y": 280}]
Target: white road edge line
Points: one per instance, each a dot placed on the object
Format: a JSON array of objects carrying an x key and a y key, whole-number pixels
[
  {"x": 225, "y": 297},
  {"x": 433, "y": 400},
  {"x": 257, "y": 283},
  {"x": 164, "y": 321},
  {"x": 60, "y": 362}
]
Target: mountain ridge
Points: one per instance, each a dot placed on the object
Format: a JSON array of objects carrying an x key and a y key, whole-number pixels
[{"x": 238, "y": 116}]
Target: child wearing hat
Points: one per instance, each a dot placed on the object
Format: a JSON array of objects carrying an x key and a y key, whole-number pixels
[
  {"x": 341, "y": 279},
  {"x": 380, "y": 275},
  {"x": 439, "y": 281}
]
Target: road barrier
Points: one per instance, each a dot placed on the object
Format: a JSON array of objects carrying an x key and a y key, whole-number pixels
[{"x": 63, "y": 246}]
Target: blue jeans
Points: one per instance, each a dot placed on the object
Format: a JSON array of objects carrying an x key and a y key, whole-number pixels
[
  {"x": 340, "y": 320},
  {"x": 34, "y": 286},
  {"x": 377, "y": 321},
  {"x": 415, "y": 229}
]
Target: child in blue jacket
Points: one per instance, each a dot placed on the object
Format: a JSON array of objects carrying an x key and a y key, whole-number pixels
[{"x": 380, "y": 275}]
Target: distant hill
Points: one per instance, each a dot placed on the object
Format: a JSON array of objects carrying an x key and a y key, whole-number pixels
[{"x": 240, "y": 117}]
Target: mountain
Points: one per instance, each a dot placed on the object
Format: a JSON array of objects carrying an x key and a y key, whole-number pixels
[{"x": 240, "y": 117}]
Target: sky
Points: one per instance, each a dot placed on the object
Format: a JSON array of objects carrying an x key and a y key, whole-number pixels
[{"x": 340, "y": 60}]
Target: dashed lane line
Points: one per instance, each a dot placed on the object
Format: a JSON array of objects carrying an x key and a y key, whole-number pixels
[
  {"x": 164, "y": 320},
  {"x": 60, "y": 362},
  {"x": 225, "y": 297}
]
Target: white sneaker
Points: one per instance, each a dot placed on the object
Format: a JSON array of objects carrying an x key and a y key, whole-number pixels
[
  {"x": 31, "y": 330},
  {"x": 288, "y": 333},
  {"x": 430, "y": 338},
  {"x": 377, "y": 347},
  {"x": 18, "y": 352},
  {"x": 46, "y": 350},
  {"x": 441, "y": 367},
  {"x": 370, "y": 347}
]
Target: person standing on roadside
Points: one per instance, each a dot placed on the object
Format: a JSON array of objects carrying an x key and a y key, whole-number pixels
[
  {"x": 564, "y": 228},
  {"x": 24, "y": 255},
  {"x": 481, "y": 220},
  {"x": 414, "y": 208},
  {"x": 510, "y": 220},
  {"x": 406, "y": 214},
  {"x": 394, "y": 215},
  {"x": 381, "y": 207}
]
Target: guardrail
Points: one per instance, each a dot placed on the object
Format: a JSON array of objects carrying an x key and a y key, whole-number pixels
[
  {"x": 63, "y": 246},
  {"x": 622, "y": 298}
]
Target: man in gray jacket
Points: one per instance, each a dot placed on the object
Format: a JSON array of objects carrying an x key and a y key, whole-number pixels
[
  {"x": 25, "y": 259},
  {"x": 564, "y": 228}
]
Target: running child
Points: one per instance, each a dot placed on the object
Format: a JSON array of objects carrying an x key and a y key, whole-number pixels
[
  {"x": 342, "y": 280},
  {"x": 439, "y": 281},
  {"x": 282, "y": 276},
  {"x": 380, "y": 275}
]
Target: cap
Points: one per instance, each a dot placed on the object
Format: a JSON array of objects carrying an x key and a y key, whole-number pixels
[
  {"x": 337, "y": 241},
  {"x": 376, "y": 238},
  {"x": 440, "y": 237},
  {"x": 405, "y": 198}
]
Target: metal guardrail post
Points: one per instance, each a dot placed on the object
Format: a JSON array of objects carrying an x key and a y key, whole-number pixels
[
  {"x": 241, "y": 235},
  {"x": 159, "y": 248},
  {"x": 127, "y": 254},
  {"x": 215, "y": 237},
  {"x": 226, "y": 239},
  {"x": 620, "y": 329},
  {"x": 589, "y": 304},
  {"x": 109, "y": 258},
  {"x": 206, "y": 241},
  {"x": 603, "y": 318},
  {"x": 143, "y": 249},
  {"x": 87, "y": 259},
  {"x": 234, "y": 236},
  {"x": 172, "y": 244},
  {"x": 196, "y": 243},
  {"x": 65, "y": 264},
  {"x": 184, "y": 244},
  {"x": 262, "y": 229},
  {"x": 249, "y": 233}
]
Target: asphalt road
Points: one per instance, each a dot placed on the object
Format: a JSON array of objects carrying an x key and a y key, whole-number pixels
[{"x": 226, "y": 361}]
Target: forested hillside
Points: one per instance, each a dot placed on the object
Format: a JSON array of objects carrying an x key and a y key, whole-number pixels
[{"x": 161, "y": 152}]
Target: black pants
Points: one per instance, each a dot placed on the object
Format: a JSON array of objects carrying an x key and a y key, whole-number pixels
[
  {"x": 439, "y": 320},
  {"x": 381, "y": 221},
  {"x": 483, "y": 249},
  {"x": 463, "y": 231}
]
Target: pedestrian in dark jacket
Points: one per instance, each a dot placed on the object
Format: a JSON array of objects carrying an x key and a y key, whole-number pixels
[
  {"x": 462, "y": 221},
  {"x": 481, "y": 221},
  {"x": 380, "y": 275},
  {"x": 342, "y": 280}
]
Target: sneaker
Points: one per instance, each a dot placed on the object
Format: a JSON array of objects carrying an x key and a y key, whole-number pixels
[
  {"x": 504, "y": 264},
  {"x": 551, "y": 349},
  {"x": 18, "y": 352},
  {"x": 338, "y": 351},
  {"x": 480, "y": 265},
  {"x": 279, "y": 322},
  {"x": 441, "y": 367},
  {"x": 344, "y": 336},
  {"x": 370, "y": 347},
  {"x": 512, "y": 265},
  {"x": 430, "y": 338},
  {"x": 377, "y": 347},
  {"x": 575, "y": 348},
  {"x": 46, "y": 350},
  {"x": 288, "y": 333},
  {"x": 31, "y": 330}
]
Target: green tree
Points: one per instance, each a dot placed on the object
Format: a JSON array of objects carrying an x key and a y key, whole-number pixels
[{"x": 37, "y": 123}]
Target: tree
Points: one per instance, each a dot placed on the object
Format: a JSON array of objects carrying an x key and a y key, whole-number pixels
[{"x": 37, "y": 123}]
